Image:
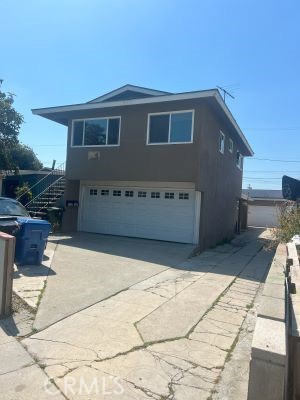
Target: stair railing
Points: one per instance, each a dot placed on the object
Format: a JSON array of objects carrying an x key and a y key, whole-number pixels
[
  {"x": 45, "y": 182},
  {"x": 50, "y": 189}
]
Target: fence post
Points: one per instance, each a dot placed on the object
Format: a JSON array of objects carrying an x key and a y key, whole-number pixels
[{"x": 7, "y": 255}]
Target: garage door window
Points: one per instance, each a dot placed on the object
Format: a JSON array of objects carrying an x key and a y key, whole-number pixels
[
  {"x": 155, "y": 195},
  {"x": 104, "y": 192},
  {"x": 96, "y": 132},
  {"x": 173, "y": 127},
  {"x": 183, "y": 196},
  {"x": 169, "y": 195},
  {"x": 117, "y": 193},
  {"x": 142, "y": 194},
  {"x": 128, "y": 193},
  {"x": 93, "y": 192}
]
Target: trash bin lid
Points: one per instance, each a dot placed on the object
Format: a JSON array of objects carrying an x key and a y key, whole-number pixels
[{"x": 31, "y": 221}]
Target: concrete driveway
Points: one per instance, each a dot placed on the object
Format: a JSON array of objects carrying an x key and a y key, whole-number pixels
[
  {"x": 87, "y": 268},
  {"x": 167, "y": 336}
]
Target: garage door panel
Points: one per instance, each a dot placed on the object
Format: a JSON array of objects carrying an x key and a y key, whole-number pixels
[
  {"x": 147, "y": 217},
  {"x": 262, "y": 216}
]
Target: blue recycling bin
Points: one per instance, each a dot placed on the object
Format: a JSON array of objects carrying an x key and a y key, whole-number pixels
[{"x": 31, "y": 241}]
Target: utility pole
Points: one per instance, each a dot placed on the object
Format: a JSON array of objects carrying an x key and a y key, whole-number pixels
[{"x": 225, "y": 93}]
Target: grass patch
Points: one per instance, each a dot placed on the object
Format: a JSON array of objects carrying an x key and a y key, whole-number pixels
[{"x": 41, "y": 294}]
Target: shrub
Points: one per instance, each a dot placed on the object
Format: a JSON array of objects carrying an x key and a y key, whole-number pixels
[
  {"x": 24, "y": 193},
  {"x": 288, "y": 222}
]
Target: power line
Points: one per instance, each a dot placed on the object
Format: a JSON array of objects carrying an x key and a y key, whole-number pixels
[
  {"x": 289, "y": 128},
  {"x": 269, "y": 159},
  {"x": 50, "y": 145},
  {"x": 253, "y": 178},
  {"x": 271, "y": 172}
]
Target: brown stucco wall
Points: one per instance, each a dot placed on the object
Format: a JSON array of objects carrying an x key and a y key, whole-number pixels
[
  {"x": 220, "y": 181},
  {"x": 213, "y": 173},
  {"x": 69, "y": 223}
]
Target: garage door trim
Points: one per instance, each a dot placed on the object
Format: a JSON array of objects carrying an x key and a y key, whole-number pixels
[{"x": 84, "y": 187}]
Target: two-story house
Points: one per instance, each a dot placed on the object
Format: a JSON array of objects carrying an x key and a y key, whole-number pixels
[{"x": 151, "y": 164}]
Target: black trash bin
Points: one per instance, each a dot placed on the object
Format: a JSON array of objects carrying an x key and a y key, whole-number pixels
[{"x": 31, "y": 241}]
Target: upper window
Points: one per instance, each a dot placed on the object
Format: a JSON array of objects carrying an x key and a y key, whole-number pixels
[
  {"x": 230, "y": 145},
  {"x": 173, "y": 127},
  {"x": 239, "y": 160},
  {"x": 96, "y": 132},
  {"x": 221, "y": 142}
]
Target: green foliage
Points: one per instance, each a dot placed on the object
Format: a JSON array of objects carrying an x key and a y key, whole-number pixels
[
  {"x": 24, "y": 192},
  {"x": 24, "y": 157},
  {"x": 54, "y": 216},
  {"x": 13, "y": 155},
  {"x": 10, "y": 123},
  {"x": 288, "y": 223}
]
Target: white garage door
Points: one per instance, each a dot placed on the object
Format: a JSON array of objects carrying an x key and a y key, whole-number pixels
[
  {"x": 264, "y": 216},
  {"x": 162, "y": 214}
]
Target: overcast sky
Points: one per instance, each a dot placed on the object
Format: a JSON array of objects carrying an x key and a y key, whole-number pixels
[{"x": 69, "y": 51}]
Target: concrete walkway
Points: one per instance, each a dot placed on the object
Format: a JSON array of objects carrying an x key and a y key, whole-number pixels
[{"x": 167, "y": 336}]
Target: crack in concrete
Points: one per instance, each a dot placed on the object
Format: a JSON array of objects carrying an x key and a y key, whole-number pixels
[
  {"x": 18, "y": 369},
  {"x": 69, "y": 344},
  {"x": 157, "y": 355}
]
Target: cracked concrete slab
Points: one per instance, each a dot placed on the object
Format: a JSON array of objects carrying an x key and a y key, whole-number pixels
[
  {"x": 13, "y": 357},
  {"x": 94, "y": 267},
  {"x": 157, "y": 341},
  {"x": 28, "y": 383}
]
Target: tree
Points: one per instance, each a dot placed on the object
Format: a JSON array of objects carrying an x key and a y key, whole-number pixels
[
  {"x": 13, "y": 154},
  {"x": 23, "y": 157},
  {"x": 10, "y": 123}
]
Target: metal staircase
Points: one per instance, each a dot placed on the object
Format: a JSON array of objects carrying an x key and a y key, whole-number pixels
[{"x": 50, "y": 189}]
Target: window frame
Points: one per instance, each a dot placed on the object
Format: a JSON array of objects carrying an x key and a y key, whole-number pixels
[
  {"x": 239, "y": 163},
  {"x": 230, "y": 145},
  {"x": 169, "y": 195},
  {"x": 183, "y": 196},
  {"x": 155, "y": 195},
  {"x": 93, "y": 192},
  {"x": 129, "y": 193},
  {"x": 169, "y": 133},
  {"x": 95, "y": 145},
  {"x": 222, "y": 149}
]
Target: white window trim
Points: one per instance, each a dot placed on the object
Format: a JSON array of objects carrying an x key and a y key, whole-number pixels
[
  {"x": 95, "y": 145},
  {"x": 230, "y": 145},
  {"x": 240, "y": 163},
  {"x": 222, "y": 149},
  {"x": 169, "y": 134}
]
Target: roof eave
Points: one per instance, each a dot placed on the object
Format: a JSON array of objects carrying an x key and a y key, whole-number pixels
[{"x": 212, "y": 93}]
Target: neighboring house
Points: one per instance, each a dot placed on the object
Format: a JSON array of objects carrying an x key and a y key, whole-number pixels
[
  {"x": 152, "y": 164},
  {"x": 30, "y": 177},
  {"x": 263, "y": 206}
]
